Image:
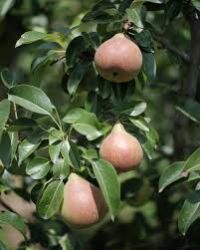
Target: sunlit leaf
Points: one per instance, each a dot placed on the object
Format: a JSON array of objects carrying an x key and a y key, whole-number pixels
[
  {"x": 50, "y": 200},
  {"x": 109, "y": 184},
  {"x": 38, "y": 168},
  {"x": 5, "y": 6},
  {"x": 189, "y": 212},
  {"x": 31, "y": 98},
  {"x": 171, "y": 174},
  {"x": 193, "y": 162}
]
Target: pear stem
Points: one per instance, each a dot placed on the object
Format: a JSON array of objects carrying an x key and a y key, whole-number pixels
[{"x": 118, "y": 127}]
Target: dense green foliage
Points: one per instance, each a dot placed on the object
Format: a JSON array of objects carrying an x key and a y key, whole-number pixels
[{"x": 55, "y": 110}]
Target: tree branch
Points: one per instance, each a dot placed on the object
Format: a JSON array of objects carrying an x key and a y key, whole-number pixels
[
  {"x": 6, "y": 206},
  {"x": 193, "y": 17},
  {"x": 183, "y": 55},
  {"x": 158, "y": 36},
  {"x": 18, "y": 205},
  {"x": 189, "y": 88}
]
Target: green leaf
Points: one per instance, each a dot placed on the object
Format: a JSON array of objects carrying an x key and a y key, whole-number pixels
[
  {"x": 5, "y": 150},
  {"x": 51, "y": 199},
  {"x": 74, "y": 49},
  {"x": 139, "y": 109},
  {"x": 98, "y": 16},
  {"x": 171, "y": 174},
  {"x": 107, "y": 178},
  {"x": 38, "y": 168},
  {"x": 61, "y": 169},
  {"x": 145, "y": 40},
  {"x": 71, "y": 154},
  {"x": 194, "y": 176},
  {"x": 25, "y": 149},
  {"x": 149, "y": 149},
  {"x": 76, "y": 76},
  {"x": 152, "y": 137},
  {"x": 13, "y": 220},
  {"x": 152, "y": 141},
  {"x": 5, "y": 6},
  {"x": 196, "y": 4},
  {"x": 57, "y": 37},
  {"x": 34, "y": 36},
  {"x": 189, "y": 212},
  {"x": 31, "y": 98},
  {"x": 7, "y": 78},
  {"x": 15, "y": 169},
  {"x": 78, "y": 115},
  {"x": 172, "y": 10},
  {"x": 89, "y": 131},
  {"x": 2, "y": 246},
  {"x": 1, "y": 168},
  {"x": 133, "y": 16},
  {"x": 4, "y": 114},
  {"x": 149, "y": 66},
  {"x": 4, "y": 189},
  {"x": 140, "y": 123},
  {"x": 22, "y": 124},
  {"x": 137, "y": 3},
  {"x": 55, "y": 135},
  {"x": 36, "y": 191},
  {"x": 89, "y": 154},
  {"x": 43, "y": 61},
  {"x": 92, "y": 39},
  {"x": 30, "y": 37},
  {"x": 54, "y": 152},
  {"x": 74, "y": 154},
  {"x": 191, "y": 109},
  {"x": 14, "y": 140},
  {"x": 193, "y": 162},
  {"x": 65, "y": 243},
  {"x": 103, "y": 5}
]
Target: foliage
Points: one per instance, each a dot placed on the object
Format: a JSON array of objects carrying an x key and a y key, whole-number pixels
[{"x": 55, "y": 110}]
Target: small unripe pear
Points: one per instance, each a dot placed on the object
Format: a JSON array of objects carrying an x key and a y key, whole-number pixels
[
  {"x": 83, "y": 204},
  {"x": 118, "y": 59},
  {"x": 121, "y": 149}
]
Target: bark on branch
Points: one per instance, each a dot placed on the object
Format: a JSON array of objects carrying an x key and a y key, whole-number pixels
[
  {"x": 183, "y": 55},
  {"x": 189, "y": 89},
  {"x": 193, "y": 17}
]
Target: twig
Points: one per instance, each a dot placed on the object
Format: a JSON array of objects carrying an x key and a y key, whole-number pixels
[
  {"x": 15, "y": 111},
  {"x": 7, "y": 206},
  {"x": 183, "y": 55},
  {"x": 158, "y": 36},
  {"x": 193, "y": 17}
]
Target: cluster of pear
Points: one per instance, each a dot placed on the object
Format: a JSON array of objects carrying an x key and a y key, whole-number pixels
[{"x": 118, "y": 60}]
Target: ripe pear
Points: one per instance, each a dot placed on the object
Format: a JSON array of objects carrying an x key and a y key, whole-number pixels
[
  {"x": 118, "y": 59},
  {"x": 121, "y": 149},
  {"x": 83, "y": 204}
]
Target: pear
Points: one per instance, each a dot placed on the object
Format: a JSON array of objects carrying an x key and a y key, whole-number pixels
[
  {"x": 121, "y": 149},
  {"x": 118, "y": 59},
  {"x": 83, "y": 204}
]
